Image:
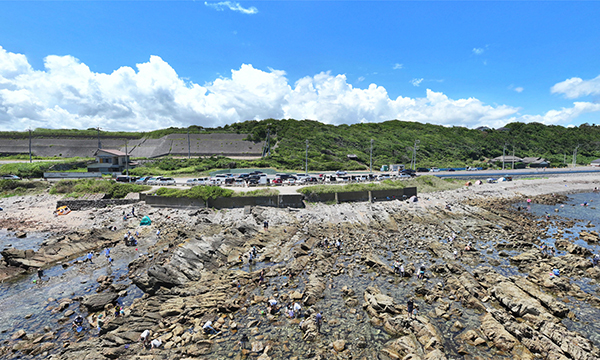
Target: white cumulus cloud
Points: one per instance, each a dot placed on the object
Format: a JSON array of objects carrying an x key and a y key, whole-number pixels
[
  {"x": 576, "y": 87},
  {"x": 67, "y": 94},
  {"x": 519, "y": 89},
  {"x": 398, "y": 66},
  {"x": 233, "y": 6}
]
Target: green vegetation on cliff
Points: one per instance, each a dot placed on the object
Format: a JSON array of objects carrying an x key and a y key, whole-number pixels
[{"x": 393, "y": 141}]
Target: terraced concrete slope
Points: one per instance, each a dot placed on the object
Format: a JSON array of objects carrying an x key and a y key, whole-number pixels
[{"x": 174, "y": 144}]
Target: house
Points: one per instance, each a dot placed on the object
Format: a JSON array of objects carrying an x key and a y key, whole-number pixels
[
  {"x": 508, "y": 159},
  {"x": 595, "y": 162},
  {"x": 352, "y": 157},
  {"x": 110, "y": 161},
  {"x": 536, "y": 162}
]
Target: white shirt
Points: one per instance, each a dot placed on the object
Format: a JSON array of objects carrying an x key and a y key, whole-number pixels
[
  {"x": 272, "y": 302},
  {"x": 207, "y": 325},
  {"x": 297, "y": 307},
  {"x": 145, "y": 334},
  {"x": 156, "y": 343}
]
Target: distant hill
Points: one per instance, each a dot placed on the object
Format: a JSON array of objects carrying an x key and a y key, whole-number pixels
[{"x": 329, "y": 145}]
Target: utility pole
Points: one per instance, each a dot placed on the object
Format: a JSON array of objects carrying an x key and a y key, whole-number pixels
[
  {"x": 513, "y": 159},
  {"x": 575, "y": 155},
  {"x": 371, "y": 158},
  {"x": 503, "y": 151},
  {"x": 30, "y": 145},
  {"x": 414, "y": 160},
  {"x": 189, "y": 150},
  {"x": 127, "y": 162},
  {"x": 99, "y": 144},
  {"x": 306, "y": 168}
]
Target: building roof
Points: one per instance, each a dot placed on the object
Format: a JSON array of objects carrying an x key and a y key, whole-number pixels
[
  {"x": 534, "y": 160},
  {"x": 111, "y": 152},
  {"x": 508, "y": 158},
  {"x": 597, "y": 161}
]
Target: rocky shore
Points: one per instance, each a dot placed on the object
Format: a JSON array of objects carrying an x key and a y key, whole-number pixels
[{"x": 494, "y": 301}]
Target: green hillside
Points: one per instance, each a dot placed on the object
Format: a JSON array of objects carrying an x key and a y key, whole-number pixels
[{"x": 393, "y": 142}]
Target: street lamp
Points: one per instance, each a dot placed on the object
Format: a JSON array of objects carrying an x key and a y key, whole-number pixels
[
  {"x": 306, "y": 166},
  {"x": 371, "y": 159}
]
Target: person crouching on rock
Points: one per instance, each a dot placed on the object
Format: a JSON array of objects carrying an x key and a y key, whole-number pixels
[
  {"x": 208, "y": 329},
  {"x": 78, "y": 321},
  {"x": 155, "y": 344},
  {"x": 145, "y": 337}
]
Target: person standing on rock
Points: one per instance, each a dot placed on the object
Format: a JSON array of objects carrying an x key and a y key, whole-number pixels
[
  {"x": 319, "y": 320},
  {"x": 107, "y": 252},
  {"x": 266, "y": 225},
  {"x": 243, "y": 341},
  {"x": 402, "y": 270},
  {"x": 133, "y": 211},
  {"x": 410, "y": 305},
  {"x": 40, "y": 273},
  {"x": 158, "y": 233},
  {"x": 89, "y": 257}
]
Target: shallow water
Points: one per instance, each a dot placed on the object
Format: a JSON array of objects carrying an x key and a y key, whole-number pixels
[{"x": 24, "y": 301}]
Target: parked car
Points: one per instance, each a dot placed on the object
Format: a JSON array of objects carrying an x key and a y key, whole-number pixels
[
  {"x": 422, "y": 169},
  {"x": 469, "y": 168},
  {"x": 143, "y": 180},
  {"x": 126, "y": 179},
  {"x": 340, "y": 172},
  {"x": 434, "y": 169},
  {"x": 153, "y": 180},
  {"x": 290, "y": 181},
  {"x": 191, "y": 182},
  {"x": 451, "y": 169},
  {"x": 167, "y": 181},
  {"x": 277, "y": 181},
  {"x": 9, "y": 177}
]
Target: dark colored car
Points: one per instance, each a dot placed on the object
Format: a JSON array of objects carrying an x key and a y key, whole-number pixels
[
  {"x": 422, "y": 170},
  {"x": 126, "y": 179},
  {"x": 451, "y": 169}
]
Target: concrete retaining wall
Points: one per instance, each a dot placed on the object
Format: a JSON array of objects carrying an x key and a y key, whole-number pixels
[
  {"x": 173, "y": 144},
  {"x": 94, "y": 204},
  {"x": 281, "y": 201},
  {"x": 295, "y": 201},
  {"x": 162, "y": 201},
  {"x": 375, "y": 195},
  {"x": 71, "y": 175},
  {"x": 352, "y": 196}
]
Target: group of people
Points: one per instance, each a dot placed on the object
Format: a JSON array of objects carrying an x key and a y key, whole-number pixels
[
  {"x": 547, "y": 249},
  {"x": 411, "y": 308},
  {"x": 145, "y": 340},
  {"x": 131, "y": 239},
  {"x": 328, "y": 244},
  {"x": 398, "y": 268}
]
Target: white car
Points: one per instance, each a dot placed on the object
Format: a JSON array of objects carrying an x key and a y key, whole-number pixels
[
  {"x": 434, "y": 169},
  {"x": 289, "y": 181},
  {"x": 472, "y": 168},
  {"x": 341, "y": 172},
  {"x": 167, "y": 181},
  {"x": 153, "y": 180}
]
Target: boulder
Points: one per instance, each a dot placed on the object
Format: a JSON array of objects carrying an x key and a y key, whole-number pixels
[{"x": 97, "y": 302}]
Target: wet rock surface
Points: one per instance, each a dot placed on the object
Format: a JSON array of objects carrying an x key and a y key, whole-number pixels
[{"x": 469, "y": 304}]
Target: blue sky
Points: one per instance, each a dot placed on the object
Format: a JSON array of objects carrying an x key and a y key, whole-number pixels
[{"x": 146, "y": 65}]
